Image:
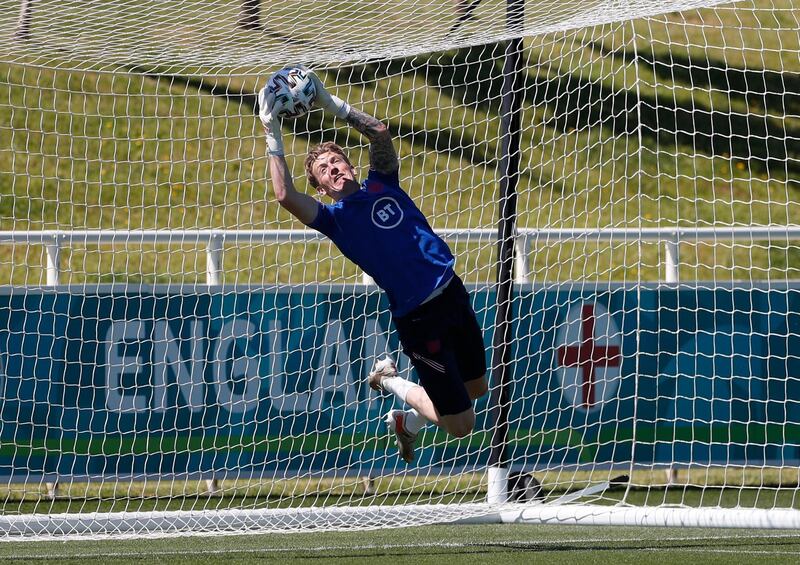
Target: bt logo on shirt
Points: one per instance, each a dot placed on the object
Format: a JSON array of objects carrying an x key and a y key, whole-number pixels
[{"x": 386, "y": 213}]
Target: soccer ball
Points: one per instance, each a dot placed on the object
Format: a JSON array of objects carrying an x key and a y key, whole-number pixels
[{"x": 290, "y": 89}]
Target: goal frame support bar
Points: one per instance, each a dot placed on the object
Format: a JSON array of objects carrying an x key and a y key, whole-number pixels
[
  {"x": 649, "y": 516},
  {"x": 510, "y": 135}
]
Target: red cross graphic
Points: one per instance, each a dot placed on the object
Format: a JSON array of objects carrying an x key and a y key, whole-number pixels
[{"x": 587, "y": 354}]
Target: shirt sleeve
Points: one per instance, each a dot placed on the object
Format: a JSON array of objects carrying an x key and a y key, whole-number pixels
[{"x": 324, "y": 222}]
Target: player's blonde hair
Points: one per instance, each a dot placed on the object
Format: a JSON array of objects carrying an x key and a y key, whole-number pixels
[{"x": 324, "y": 147}]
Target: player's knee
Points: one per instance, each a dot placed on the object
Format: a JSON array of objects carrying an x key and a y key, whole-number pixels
[
  {"x": 462, "y": 425},
  {"x": 462, "y": 429},
  {"x": 477, "y": 387}
]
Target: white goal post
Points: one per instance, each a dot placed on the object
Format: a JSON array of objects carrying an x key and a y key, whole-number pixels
[{"x": 618, "y": 183}]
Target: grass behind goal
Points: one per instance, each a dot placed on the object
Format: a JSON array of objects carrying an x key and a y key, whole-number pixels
[
  {"x": 697, "y": 487},
  {"x": 126, "y": 166}
]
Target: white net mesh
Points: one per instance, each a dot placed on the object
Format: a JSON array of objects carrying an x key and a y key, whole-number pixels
[
  {"x": 174, "y": 358},
  {"x": 241, "y": 35}
]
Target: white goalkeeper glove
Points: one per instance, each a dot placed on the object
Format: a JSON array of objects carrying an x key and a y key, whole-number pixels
[
  {"x": 328, "y": 101},
  {"x": 272, "y": 126}
]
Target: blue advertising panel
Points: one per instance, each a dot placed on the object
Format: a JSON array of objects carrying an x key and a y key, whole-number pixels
[{"x": 263, "y": 382}]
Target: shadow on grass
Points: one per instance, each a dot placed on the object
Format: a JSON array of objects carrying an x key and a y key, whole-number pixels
[
  {"x": 313, "y": 126},
  {"x": 760, "y": 137},
  {"x": 474, "y": 76}
]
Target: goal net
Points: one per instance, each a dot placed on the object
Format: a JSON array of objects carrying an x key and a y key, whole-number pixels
[{"x": 179, "y": 356}]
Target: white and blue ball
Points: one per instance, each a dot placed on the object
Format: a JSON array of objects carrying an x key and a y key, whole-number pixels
[{"x": 290, "y": 91}]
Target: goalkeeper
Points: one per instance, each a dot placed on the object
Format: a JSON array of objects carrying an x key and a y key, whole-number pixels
[{"x": 377, "y": 226}]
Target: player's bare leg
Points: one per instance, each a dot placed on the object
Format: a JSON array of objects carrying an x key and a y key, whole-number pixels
[
  {"x": 458, "y": 425},
  {"x": 385, "y": 377}
]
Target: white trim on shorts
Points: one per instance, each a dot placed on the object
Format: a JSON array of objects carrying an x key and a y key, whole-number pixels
[{"x": 438, "y": 291}]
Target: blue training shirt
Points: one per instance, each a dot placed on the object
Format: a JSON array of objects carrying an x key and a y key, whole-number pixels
[{"x": 380, "y": 229}]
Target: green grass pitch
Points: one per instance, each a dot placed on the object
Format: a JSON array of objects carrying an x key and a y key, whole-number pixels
[{"x": 442, "y": 545}]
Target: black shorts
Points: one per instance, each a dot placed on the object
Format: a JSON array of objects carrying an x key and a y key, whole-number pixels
[{"x": 445, "y": 344}]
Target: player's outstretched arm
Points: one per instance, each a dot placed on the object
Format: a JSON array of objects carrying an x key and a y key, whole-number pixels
[
  {"x": 382, "y": 155},
  {"x": 300, "y": 205}
]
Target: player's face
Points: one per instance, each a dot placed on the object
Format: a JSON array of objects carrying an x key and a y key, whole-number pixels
[{"x": 335, "y": 176}]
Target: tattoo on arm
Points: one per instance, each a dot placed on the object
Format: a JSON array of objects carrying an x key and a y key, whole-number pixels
[{"x": 382, "y": 155}]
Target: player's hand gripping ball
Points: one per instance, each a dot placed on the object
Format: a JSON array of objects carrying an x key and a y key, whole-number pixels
[{"x": 289, "y": 93}]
